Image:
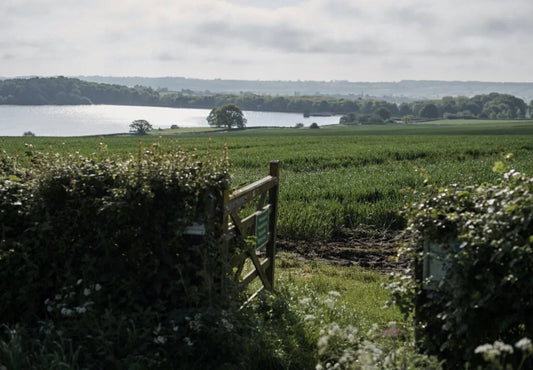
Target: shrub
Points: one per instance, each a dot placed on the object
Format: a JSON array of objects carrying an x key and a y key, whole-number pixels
[
  {"x": 314, "y": 125},
  {"x": 485, "y": 237},
  {"x": 94, "y": 256}
]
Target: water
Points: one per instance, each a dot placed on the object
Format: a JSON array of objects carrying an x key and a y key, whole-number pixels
[{"x": 81, "y": 120}]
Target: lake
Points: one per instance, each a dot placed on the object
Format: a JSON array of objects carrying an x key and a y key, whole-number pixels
[{"x": 81, "y": 120}]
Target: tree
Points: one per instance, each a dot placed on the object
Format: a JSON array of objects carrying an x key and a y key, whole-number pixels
[
  {"x": 429, "y": 111},
  {"x": 228, "y": 115},
  {"x": 140, "y": 127},
  {"x": 383, "y": 112}
]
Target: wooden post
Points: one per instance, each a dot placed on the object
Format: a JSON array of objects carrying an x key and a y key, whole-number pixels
[{"x": 273, "y": 195}]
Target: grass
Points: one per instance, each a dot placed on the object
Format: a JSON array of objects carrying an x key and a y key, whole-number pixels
[
  {"x": 334, "y": 177},
  {"x": 339, "y": 176}
]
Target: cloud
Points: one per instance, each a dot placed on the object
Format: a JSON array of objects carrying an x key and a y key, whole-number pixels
[{"x": 280, "y": 39}]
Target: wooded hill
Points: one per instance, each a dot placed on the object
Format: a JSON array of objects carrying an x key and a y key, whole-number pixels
[
  {"x": 395, "y": 92},
  {"x": 72, "y": 91}
]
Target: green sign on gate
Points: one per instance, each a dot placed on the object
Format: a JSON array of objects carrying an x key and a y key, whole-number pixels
[{"x": 261, "y": 228}]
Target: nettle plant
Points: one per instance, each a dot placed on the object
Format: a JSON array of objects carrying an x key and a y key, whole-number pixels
[
  {"x": 485, "y": 293},
  {"x": 94, "y": 252}
]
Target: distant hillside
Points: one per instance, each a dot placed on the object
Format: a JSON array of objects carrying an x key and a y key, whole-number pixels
[{"x": 391, "y": 91}]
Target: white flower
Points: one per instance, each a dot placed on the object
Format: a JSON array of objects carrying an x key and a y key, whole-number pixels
[
  {"x": 97, "y": 287},
  {"x": 309, "y": 317},
  {"x": 86, "y": 292},
  {"x": 502, "y": 347},
  {"x": 160, "y": 340},
  {"x": 323, "y": 341},
  {"x": 334, "y": 293},
  {"x": 57, "y": 297},
  {"x": 79, "y": 281},
  {"x": 81, "y": 310},
  {"x": 483, "y": 348},
  {"x": 305, "y": 300},
  {"x": 329, "y": 303},
  {"x": 66, "y": 311},
  {"x": 524, "y": 345}
]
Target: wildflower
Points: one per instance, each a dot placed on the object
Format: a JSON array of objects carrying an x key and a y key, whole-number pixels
[
  {"x": 334, "y": 293},
  {"x": 79, "y": 281},
  {"x": 81, "y": 310},
  {"x": 66, "y": 311},
  {"x": 524, "y": 345},
  {"x": 86, "y": 292},
  {"x": 57, "y": 297},
  {"x": 160, "y": 340},
  {"x": 329, "y": 303},
  {"x": 188, "y": 341},
  {"x": 306, "y": 300},
  {"x": 502, "y": 347},
  {"x": 323, "y": 341},
  {"x": 309, "y": 317},
  {"x": 488, "y": 351},
  {"x": 97, "y": 287}
]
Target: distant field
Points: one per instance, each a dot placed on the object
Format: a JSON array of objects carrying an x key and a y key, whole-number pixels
[{"x": 339, "y": 176}]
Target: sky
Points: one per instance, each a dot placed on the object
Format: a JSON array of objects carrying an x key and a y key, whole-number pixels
[{"x": 321, "y": 40}]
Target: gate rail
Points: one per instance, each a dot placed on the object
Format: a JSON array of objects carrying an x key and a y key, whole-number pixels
[{"x": 261, "y": 224}]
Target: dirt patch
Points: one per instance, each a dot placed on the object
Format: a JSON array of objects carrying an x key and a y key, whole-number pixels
[{"x": 351, "y": 249}]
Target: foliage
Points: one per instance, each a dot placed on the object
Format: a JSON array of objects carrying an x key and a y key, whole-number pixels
[
  {"x": 228, "y": 115},
  {"x": 93, "y": 257},
  {"x": 71, "y": 91},
  {"x": 314, "y": 125},
  {"x": 429, "y": 111},
  {"x": 28, "y": 133},
  {"x": 341, "y": 177},
  {"x": 61, "y": 90},
  {"x": 496, "y": 355},
  {"x": 485, "y": 237},
  {"x": 340, "y": 313},
  {"x": 140, "y": 127}
]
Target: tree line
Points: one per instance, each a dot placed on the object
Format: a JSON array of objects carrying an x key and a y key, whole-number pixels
[{"x": 72, "y": 91}]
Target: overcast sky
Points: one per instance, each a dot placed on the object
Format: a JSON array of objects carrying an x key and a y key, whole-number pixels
[{"x": 355, "y": 40}]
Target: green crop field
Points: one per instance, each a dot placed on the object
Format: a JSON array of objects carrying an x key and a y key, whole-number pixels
[
  {"x": 337, "y": 177},
  {"x": 332, "y": 179}
]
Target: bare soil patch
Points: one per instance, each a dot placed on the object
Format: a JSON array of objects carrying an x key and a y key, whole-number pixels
[{"x": 351, "y": 249}]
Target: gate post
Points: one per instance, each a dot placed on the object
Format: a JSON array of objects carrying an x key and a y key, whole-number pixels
[{"x": 273, "y": 195}]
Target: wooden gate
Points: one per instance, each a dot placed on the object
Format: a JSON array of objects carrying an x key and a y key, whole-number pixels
[{"x": 255, "y": 232}]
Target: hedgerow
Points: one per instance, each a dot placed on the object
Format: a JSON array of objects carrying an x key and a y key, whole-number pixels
[
  {"x": 97, "y": 269},
  {"x": 483, "y": 238}
]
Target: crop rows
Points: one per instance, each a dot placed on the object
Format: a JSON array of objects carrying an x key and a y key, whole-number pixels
[{"x": 338, "y": 177}]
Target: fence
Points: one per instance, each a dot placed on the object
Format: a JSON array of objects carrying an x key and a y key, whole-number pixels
[{"x": 255, "y": 232}]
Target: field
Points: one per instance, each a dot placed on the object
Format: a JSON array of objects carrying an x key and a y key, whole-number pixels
[
  {"x": 339, "y": 178},
  {"x": 342, "y": 192}
]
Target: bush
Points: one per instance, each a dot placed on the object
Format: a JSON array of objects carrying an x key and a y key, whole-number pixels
[
  {"x": 95, "y": 259},
  {"x": 314, "y": 125},
  {"x": 483, "y": 238}
]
